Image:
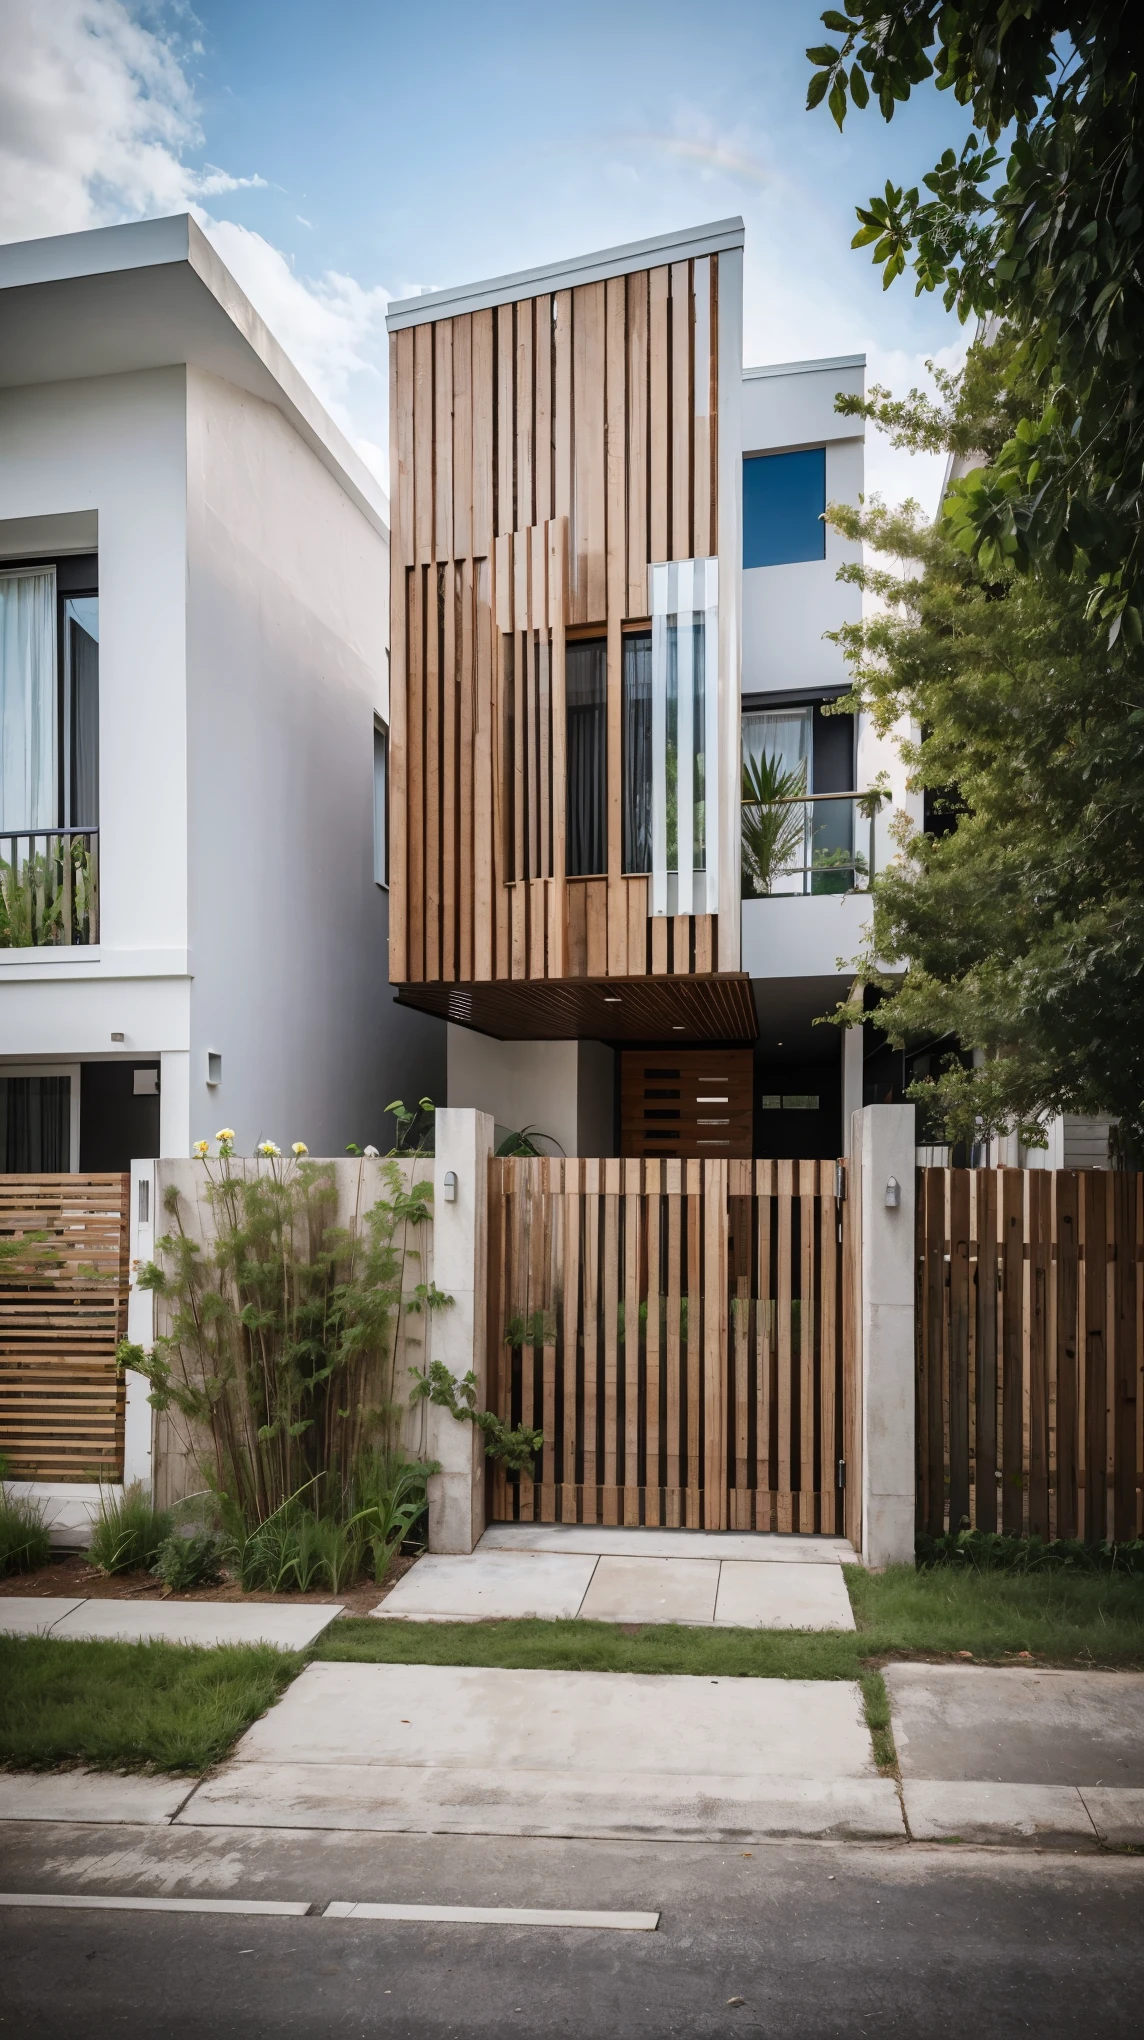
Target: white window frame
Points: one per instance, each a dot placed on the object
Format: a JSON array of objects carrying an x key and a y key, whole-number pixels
[{"x": 55, "y": 1069}]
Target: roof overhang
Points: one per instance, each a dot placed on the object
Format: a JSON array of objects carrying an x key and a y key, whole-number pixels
[
  {"x": 717, "y": 1007},
  {"x": 154, "y": 294},
  {"x": 713, "y": 239}
]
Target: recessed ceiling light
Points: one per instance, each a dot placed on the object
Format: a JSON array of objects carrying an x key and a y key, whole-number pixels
[
  {"x": 678, "y": 1027},
  {"x": 612, "y": 999}
]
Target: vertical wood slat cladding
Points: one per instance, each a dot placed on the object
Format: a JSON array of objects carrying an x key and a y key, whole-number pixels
[
  {"x": 63, "y": 1311},
  {"x": 567, "y": 439},
  {"x": 680, "y": 1332},
  {"x": 1030, "y": 1336}
]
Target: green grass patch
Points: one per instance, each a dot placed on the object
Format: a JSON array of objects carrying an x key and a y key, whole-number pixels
[
  {"x": 535, "y": 1645},
  {"x": 876, "y": 1702},
  {"x": 120, "y": 1706},
  {"x": 1061, "y": 1618}
]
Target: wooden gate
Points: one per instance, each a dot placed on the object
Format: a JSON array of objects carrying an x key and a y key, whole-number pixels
[
  {"x": 1030, "y": 1319},
  {"x": 682, "y": 1333},
  {"x": 63, "y": 1311}
]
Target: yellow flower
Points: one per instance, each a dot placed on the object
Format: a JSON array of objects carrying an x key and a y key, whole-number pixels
[
  {"x": 299, "y": 1148},
  {"x": 202, "y": 1147},
  {"x": 267, "y": 1147},
  {"x": 225, "y": 1133}
]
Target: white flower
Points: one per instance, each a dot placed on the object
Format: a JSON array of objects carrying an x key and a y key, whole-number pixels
[
  {"x": 202, "y": 1147},
  {"x": 225, "y": 1133},
  {"x": 267, "y": 1147},
  {"x": 372, "y": 1151},
  {"x": 299, "y": 1148}
]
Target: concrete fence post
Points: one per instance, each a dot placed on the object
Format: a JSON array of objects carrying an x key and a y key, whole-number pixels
[
  {"x": 883, "y": 1149},
  {"x": 463, "y": 1143},
  {"x": 145, "y": 1224}
]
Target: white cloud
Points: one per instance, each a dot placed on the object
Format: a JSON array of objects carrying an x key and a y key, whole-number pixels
[{"x": 96, "y": 120}]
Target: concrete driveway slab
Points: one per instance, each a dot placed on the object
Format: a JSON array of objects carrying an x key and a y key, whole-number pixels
[
  {"x": 652, "y": 1590},
  {"x": 614, "y": 1542},
  {"x": 201, "y": 1622},
  {"x": 782, "y": 1597},
  {"x": 103, "y": 1797},
  {"x": 1018, "y": 1727},
  {"x": 980, "y": 1811},
  {"x": 1117, "y": 1815},
  {"x": 584, "y": 1721},
  {"x": 489, "y": 1585},
  {"x": 32, "y": 1614}
]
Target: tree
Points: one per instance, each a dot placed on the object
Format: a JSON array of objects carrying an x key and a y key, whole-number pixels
[
  {"x": 1021, "y": 931},
  {"x": 1045, "y": 233}
]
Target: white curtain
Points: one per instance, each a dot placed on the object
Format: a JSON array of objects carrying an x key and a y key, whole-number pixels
[
  {"x": 781, "y": 734},
  {"x": 28, "y": 781}
]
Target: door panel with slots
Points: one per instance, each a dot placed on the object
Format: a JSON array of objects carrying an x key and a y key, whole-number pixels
[{"x": 687, "y": 1102}]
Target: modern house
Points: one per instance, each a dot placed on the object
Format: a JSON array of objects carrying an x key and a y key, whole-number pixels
[
  {"x": 194, "y": 709},
  {"x": 610, "y": 587}
]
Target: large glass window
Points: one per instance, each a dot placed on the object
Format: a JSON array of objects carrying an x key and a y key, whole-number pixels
[
  {"x": 784, "y": 499},
  {"x": 637, "y": 751},
  {"x": 684, "y": 736},
  {"x": 586, "y": 698},
  {"x": 29, "y": 792},
  {"x": 35, "y": 1124},
  {"x": 81, "y": 697}
]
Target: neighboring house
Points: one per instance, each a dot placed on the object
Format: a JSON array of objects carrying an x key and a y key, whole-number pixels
[
  {"x": 194, "y": 707},
  {"x": 611, "y": 585}
]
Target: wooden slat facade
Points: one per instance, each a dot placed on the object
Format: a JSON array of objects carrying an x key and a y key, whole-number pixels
[
  {"x": 1030, "y": 1344},
  {"x": 544, "y": 452},
  {"x": 63, "y": 1311},
  {"x": 682, "y": 1333}
]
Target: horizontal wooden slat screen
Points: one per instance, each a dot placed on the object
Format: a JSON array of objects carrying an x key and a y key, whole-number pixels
[
  {"x": 543, "y": 452},
  {"x": 687, "y": 1102},
  {"x": 63, "y": 1311},
  {"x": 1030, "y": 1324},
  {"x": 682, "y": 1332}
]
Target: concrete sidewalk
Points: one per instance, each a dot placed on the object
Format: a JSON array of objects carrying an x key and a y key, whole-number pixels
[
  {"x": 564, "y": 1571},
  {"x": 159, "y": 1621}
]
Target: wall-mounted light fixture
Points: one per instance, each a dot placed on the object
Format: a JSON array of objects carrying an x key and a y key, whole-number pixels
[
  {"x": 450, "y": 1186},
  {"x": 117, "y": 1037},
  {"x": 214, "y": 1067},
  {"x": 893, "y": 1193}
]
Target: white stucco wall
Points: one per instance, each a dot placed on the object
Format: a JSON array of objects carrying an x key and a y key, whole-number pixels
[
  {"x": 106, "y": 459},
  {"x": 286, "y": 653},
  {"x": 562, "y": 1088}
]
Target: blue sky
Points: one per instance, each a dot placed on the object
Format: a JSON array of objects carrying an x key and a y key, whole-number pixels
[{"x": 340, "y": 153}]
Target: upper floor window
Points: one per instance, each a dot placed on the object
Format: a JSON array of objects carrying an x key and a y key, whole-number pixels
[
  {"x": 784, "y": 499},
  {"x": 380, "y": 802},
  {"x": 586, "y": 700},
  {"x": 49, "y": 696}
]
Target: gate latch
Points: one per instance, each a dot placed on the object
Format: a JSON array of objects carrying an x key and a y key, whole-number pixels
[{"x": 841, "y": 1473}]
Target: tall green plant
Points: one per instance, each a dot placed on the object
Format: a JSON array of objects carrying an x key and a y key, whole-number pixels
[
  {"x": 282, "y": 1341},
  {"x": 773, "y": 833},
  {"x": 32, "y": 892}
]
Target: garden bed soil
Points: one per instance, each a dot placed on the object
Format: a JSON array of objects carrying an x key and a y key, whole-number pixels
[{"x": 69, "y": 1573}]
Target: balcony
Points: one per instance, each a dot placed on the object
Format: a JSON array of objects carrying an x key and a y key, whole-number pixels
[
  {"x": 49, "y": 888},
  {"x": 808, "y": 864}
]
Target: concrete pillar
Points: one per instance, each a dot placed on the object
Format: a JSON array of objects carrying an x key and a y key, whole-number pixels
[
  {"x": 139, "y": 1417},
  {"x": 882, "y": 1148},
  {"x": 463, "y": 1143},
  {"x": 853, "y": 1067}
]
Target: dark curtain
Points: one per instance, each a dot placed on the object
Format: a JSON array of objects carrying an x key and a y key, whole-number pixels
[
  {"x": 637, "y": 752},
  {"x": 586, "y": 696},
  {"x": 84, "y": 653},
  {"x": 35, "y": 1125}
]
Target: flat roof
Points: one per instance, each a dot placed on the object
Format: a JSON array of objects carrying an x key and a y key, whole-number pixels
[
  {"x": 825, "y": 362},
  {"x": 712, "y": 239},
  {"x": 154, "y": 294}
]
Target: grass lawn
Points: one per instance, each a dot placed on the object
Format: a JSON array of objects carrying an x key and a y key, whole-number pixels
[
  {"x": 122, "y": 1705},
  {"x": 180, "y": 1709}
]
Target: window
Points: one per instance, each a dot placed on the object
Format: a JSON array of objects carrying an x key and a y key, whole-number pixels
[
  {"x": 586, "y": 699},
  {"x": 380, "y": 804},
  {"x": 39, "y": 1112},
  {"x": 637, "y": 751},
  {"x": 49, "y": 695},
  {"x": 684, "y": 736},
  {"x": 784, "y": 498}
]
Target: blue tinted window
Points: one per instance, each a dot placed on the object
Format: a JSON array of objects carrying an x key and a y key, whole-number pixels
[{"x": 784, "y": 496}]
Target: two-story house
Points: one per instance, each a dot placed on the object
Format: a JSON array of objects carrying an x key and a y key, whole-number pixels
[
  {"x": 194, "y": 712},
  {"x": 611, "y": 579}
]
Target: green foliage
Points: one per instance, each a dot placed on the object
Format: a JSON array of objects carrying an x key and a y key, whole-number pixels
[
  {"x": 1045, "y": 233},
  {"x": 282, "y": 1342},
  {"x": 988, "y": 1551},
  {"x": 773, "y": 834},
  {"x": 303, "y": 1549},
  {"x": 1020, "y": 930},
  {"x": 529, "y": 1142},
  {"x": 33, "y": 896},
  {"x": 192, "y": 1559},
  {"x": 390, "y": 1503},
  {"x": 129, "y": 1531},
  {"x": 415, "y": 1127},
  {"x": 536, "y": 1329},
  {"x": 25, "y": 1544},
  {"x": 517, "y": 1448},
  {"x": 123, "y": 1705}
]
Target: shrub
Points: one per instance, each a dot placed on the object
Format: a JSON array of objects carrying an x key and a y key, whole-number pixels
[
  {"x": 129, "y": 1530},
  {"x": 391, "y": 1501},
  {"x": 189, "y": 1559},
  {"x": 989, "y": 1551},
  {"x": 24, "y": 1540}
]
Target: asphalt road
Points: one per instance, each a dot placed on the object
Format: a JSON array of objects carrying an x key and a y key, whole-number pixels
[{"x": 816, "y": 1940}]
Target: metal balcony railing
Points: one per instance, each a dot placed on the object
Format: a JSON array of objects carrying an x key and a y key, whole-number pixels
[
  {"x": 49, "y": 888},
  {"x": 812, "y": 843}
]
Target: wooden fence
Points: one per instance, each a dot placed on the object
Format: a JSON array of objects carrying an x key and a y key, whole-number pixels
[
  {"x": 63, "y": 1311},
  {"x": 682, "y": 1332},
  {"x": 1030, "y": 1341}
]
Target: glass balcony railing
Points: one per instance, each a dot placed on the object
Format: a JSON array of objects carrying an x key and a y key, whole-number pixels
[
  {"x": 819, "y": 843},
  {"x": 49, "y": 888}
]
